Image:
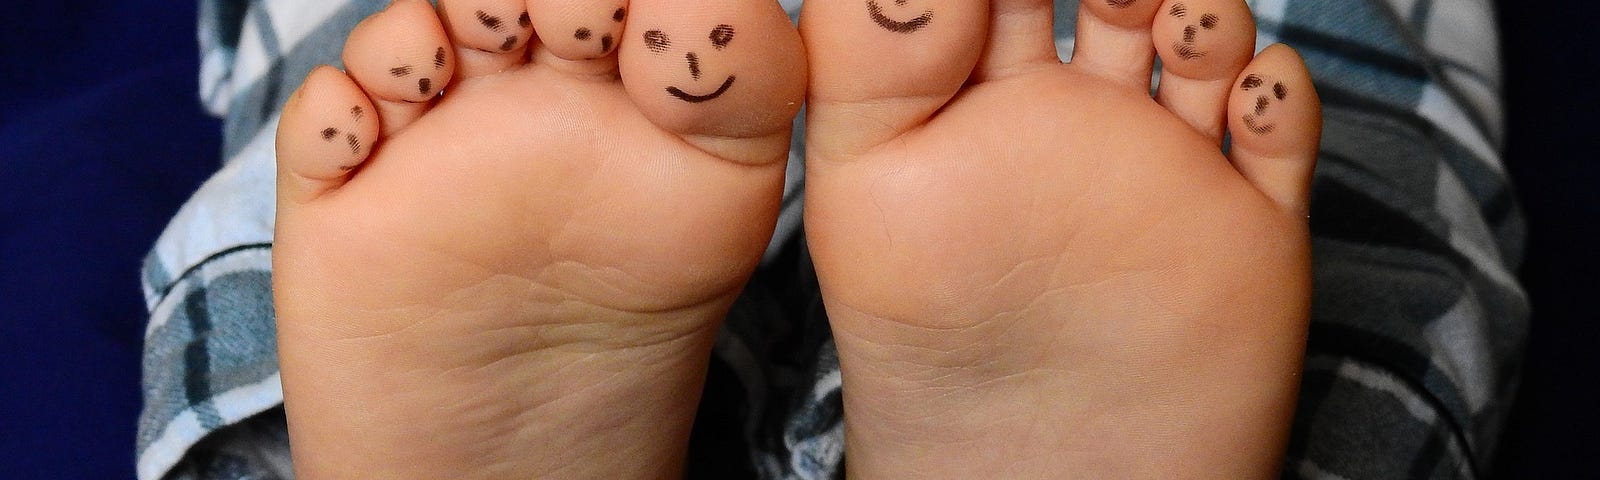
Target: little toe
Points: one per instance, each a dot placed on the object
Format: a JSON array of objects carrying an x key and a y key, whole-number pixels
[
  {"x": 1203, "y": 44},
  {"x": 579, "y": 36},
  {"x": 880, "y": 68},
  {"x": 1276, "y": 121},
  {"x": 729, "y": 78},
  {"x": 490, "y": 36},
  {"x": 402, "y": 58},
  {"x": 1114, "y": 40},
  {"x": 328, "y": 128}
]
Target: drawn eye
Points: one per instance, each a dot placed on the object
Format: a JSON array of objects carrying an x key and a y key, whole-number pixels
[
  {"x": 721, "y": 36},
  {"x": 1280, "y": 91},
  {"x": 1209, "y": 21},
  {"x": 1251, "y": 82},
  {"x": 657, "y": 41}
]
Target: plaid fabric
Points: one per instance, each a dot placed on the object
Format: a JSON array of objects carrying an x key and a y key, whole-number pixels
[{"x": 1418, "y": 321}]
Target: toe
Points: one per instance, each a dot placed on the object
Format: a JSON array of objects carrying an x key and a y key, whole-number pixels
[
  {"x": 1114, "y": 40},
  {"x": 401, "y": 57},
  {"x": 1203, "y": 45},
  {"x": 579, "y": 36},
  {"x": 882, "y": 67},
  {"x": 328, "y": 128},
  {"x": 1021, "y": 38},
  {"x": 1276, "y": 121},
  {"x": 729, "y": 78},
  {"x": 490, "y": 36}
]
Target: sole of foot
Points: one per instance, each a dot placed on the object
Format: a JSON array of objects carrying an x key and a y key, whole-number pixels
[
  {"x": 1037, "y": 270},
  {"x": 507, "y": 234}
]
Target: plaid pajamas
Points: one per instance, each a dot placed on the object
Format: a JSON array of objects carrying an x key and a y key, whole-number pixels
[{"x": 1417, "y": 328}]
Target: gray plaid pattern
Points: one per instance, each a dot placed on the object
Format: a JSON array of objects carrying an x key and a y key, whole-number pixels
[{"x": 1418, "y": 321}]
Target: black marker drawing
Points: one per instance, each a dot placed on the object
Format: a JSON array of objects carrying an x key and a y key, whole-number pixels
[
  {"x": 657, "y": 41},
  {"x": 490, "y": 21},
  {"x": 1120, "y": 3},
  {"x": 350, "y": 138},
  {"x": 1188, "y": 49},
  {"x": 721, "y": 36},
  {"x": 875, "y": 11},
  {"x": 424, "y": 85},
  {"x": 606, "y": 41},
  {"x": 494, "y": 23},
  {"x": 685, "y": 96},
  {"x": 1253, "y": 121}
]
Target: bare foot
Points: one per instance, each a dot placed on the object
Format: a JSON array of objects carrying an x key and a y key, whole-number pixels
[
  {"x": 491, "y": 267},
  {"x": 1036, "y": 270}
]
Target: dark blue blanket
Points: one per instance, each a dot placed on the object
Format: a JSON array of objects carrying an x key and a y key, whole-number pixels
[{"x": 101, "y": 139}]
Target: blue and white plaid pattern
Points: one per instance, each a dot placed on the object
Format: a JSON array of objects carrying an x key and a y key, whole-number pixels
[{"x": 1418, "y": 321}]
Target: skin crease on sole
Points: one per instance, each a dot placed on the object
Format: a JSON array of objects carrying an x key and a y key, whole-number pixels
[{"x": 503, "y": 257}]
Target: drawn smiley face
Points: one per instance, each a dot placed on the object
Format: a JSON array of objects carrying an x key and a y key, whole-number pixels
[
  {"x": 1190, "y": 48},
  {"x": 495, "y": 27},
  {"x": 1258, "y": 121},
  {"x": 875, "y": 12},
  {"x": 426, "y": 87},
  {"x": 607, "y": 41},
  {"x": 360, "y": 125},
  {"x": 721, "y": 36}
]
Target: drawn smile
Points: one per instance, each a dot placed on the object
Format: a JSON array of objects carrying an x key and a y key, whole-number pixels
[
  {"x": 1250, "y": 122},
  {"x": 876, "y": 11},
  {"x": 687, "y": 97}
]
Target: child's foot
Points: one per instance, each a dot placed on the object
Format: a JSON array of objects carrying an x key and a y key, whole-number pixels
[
  {"x": 1035, "y": 270},
  {"x": 491, "y": 267}
]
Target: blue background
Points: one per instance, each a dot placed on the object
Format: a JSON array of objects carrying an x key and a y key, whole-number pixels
[{"x": 102, "y": 138}]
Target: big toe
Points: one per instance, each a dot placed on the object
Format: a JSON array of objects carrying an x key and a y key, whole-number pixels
[
  {"x": 883, "y": 68},
  {"x": 729, "y": 79}
]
